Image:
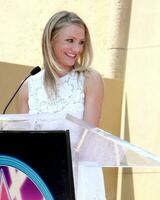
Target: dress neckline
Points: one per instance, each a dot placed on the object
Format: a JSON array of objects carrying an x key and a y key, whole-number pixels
[
  {"x": 70, "y": 73},
  {"x": 66, "y": 75}
]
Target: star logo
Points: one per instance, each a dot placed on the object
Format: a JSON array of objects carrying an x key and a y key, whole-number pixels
[{"x": 4, "y": 189}]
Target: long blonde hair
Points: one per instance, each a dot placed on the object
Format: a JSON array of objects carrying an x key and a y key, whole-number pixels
[{"x": 53, "y": 26}]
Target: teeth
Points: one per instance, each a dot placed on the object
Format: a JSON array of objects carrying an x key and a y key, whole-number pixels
[{"x": 71, "y": 55}]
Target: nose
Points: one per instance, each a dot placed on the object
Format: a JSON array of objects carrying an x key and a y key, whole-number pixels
[{"x": 77, "y": 48}]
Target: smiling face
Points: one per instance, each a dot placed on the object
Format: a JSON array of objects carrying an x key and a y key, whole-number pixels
[{"x": 68, "y": 45}]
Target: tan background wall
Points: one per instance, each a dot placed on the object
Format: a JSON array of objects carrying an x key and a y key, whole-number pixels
[
  {"x": 22, "y": 24},
  {"x": 141, "y": 111},
  {"x": 111, "y": 117},
  {"x": 11, "y": 76}
]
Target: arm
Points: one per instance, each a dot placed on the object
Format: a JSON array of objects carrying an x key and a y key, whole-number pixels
[
  {"x": 94, "y": 91},
  {"x": 23, "y": 99}
]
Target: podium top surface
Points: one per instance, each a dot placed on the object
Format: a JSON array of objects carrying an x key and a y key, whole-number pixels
[{"x": 95, "y": 147}]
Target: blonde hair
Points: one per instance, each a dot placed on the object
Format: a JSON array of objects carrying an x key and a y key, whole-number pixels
[{"x": 53, "y": 26}]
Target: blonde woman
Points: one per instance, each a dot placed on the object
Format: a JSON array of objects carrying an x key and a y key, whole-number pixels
[{"x": 67, "y": 84}]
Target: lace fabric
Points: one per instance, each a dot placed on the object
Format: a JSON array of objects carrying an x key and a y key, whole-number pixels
[{"x": 69, "y": 99}]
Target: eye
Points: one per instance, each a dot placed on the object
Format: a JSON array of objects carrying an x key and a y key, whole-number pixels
[
  {"x": 82, "y": 42},
  {"x": 69, "y": 40}
]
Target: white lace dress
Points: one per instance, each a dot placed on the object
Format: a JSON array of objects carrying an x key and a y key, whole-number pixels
[{"x": 69, "y": 100}]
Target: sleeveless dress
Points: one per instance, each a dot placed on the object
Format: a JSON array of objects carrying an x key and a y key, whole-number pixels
[{"x": 68, "y": 100}]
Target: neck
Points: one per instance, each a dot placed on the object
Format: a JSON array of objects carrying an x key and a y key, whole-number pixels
[{"x": 64, "y": 72}]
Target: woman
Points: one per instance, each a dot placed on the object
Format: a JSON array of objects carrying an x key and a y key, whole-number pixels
[{"x": 67, "y": 84}]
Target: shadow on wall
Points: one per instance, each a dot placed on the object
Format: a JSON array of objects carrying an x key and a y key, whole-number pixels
[
  {"x": 127, "y": 186},
  {"x": 111, "y": 122},
  {"x": 11, "y": 76}
]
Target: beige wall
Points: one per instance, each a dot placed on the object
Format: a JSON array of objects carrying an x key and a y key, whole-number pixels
[
  {"x": 141, "y": 111},
  {"x": 11, "y": 76},
  {"x": 110, "y": 121},
  {"x": 117, "y": 38},
  {"x": 22, "y": 24}
]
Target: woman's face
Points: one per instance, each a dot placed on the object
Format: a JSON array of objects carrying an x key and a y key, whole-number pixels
[{"x": 68, "y": 45}]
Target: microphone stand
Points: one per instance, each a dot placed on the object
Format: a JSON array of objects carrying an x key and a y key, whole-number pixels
[
  {"x": 4, "y": 111},
  {"x": 33, "y": 72}
]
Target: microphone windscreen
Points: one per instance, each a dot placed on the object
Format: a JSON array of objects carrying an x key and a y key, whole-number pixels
[{"x": 35, "y": 70}]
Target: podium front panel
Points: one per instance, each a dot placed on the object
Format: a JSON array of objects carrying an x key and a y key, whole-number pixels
[{"x": 36, "y": 165}]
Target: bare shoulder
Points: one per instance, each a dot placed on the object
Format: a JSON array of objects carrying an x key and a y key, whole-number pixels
[
  {"x": 94, "y": 92},
  {"x": 93, "y": 80},
  {"x": 93, "y": 74}
]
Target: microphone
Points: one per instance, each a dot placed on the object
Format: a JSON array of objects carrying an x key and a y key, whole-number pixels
[{"x": 33, "y": 72}]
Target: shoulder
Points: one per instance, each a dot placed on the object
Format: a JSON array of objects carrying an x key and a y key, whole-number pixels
[
  {"x": 93, "y": 80},
  {"x": 94, "y": 92}
]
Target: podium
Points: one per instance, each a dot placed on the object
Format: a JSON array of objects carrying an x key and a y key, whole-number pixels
[
  {"x": 91, "y": 147},
  {"x": 100, "y": 148}
]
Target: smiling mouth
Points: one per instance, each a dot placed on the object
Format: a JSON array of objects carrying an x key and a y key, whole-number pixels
[{"x": 73, "y": 56}]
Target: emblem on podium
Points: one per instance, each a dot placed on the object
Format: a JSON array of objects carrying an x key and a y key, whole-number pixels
[{"x": 19, "y": 181}]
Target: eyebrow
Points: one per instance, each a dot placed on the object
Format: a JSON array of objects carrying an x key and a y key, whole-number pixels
[{"x": 74, "y": 37}]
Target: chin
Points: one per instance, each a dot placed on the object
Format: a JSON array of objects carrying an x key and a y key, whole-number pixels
[{"x": 69, "y": 65}]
